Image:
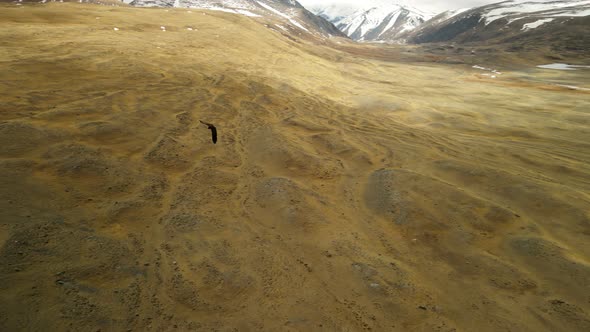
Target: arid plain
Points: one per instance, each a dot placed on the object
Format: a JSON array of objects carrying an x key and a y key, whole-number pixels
[{"x": 346, "y": 192}]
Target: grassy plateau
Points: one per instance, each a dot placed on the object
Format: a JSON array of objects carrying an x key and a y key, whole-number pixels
[{"x": 353, "y": 187}]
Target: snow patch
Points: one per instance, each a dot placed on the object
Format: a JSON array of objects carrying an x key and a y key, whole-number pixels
[
  {"x": 281, "y": 27},
  {"x": 573, "y": 87},
  {"x": 289, "y": 18},
  {"x": 240, "y": 7},
  {"x": 517, "y": 9},
  {"x": 561, "y": 66},
  {"x": 391, "y": 23},
  {"x": 233, "y": 11},
  {"x": 246, "y": 13},
  {"x": 456, "y": 12},
  {"x": 579, "y": 13},
  {"x": 536, "y": 24},
  {"x": 493, "y": 71}
]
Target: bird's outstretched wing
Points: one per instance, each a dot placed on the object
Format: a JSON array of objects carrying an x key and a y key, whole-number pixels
[
  {"x": 213, "y": 131},
  {"x": 213, "y": 134}
]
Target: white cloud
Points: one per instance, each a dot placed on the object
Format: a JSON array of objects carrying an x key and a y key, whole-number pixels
[{"x": 433, "y": 6}]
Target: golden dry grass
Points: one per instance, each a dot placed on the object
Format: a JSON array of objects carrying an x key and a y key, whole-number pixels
[{"x": 345, "y": 193}]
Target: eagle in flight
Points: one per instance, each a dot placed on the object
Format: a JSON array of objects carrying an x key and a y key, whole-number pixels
[{"x": 213, "y": 131}]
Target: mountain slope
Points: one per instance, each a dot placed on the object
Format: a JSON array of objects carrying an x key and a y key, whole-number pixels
[
  {"x": 343, "y": 194},
  {"x": 290, "y": 12},
  {"x": 372, "y": 21},
  {"x": 563, "y": 24}
]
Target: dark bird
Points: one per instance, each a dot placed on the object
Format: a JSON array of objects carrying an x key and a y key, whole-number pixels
[{"x": 213, "y": 131}]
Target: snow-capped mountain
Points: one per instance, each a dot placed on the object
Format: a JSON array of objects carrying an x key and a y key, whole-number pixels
[
  {"x": 372, "y": 20},
  {"x": 561, "y": 20},
  {"x": 292, "y": 15}
]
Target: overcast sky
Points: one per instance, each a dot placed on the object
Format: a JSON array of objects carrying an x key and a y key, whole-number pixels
[{"x": 434, "y": 6}]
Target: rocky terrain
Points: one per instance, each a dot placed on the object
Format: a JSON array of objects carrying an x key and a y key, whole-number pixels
[
  {"x": 353, "y": 187},
  {"x": 521, "y": 25}
]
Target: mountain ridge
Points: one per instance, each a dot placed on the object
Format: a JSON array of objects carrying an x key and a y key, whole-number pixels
[
  {"x": 294, "y": 15},
  {"x": 509, "y": 21},
  {"x": 374, "y": 22}
]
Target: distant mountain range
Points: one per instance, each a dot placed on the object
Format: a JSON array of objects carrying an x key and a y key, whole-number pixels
[
  {"x": 293, "y": 16},
  {"x": 563, "y": 24},
  {"x": 506, "y": 21},
  {"x": 559, "y": 24},
  {"x": 372, "y": 21}
]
